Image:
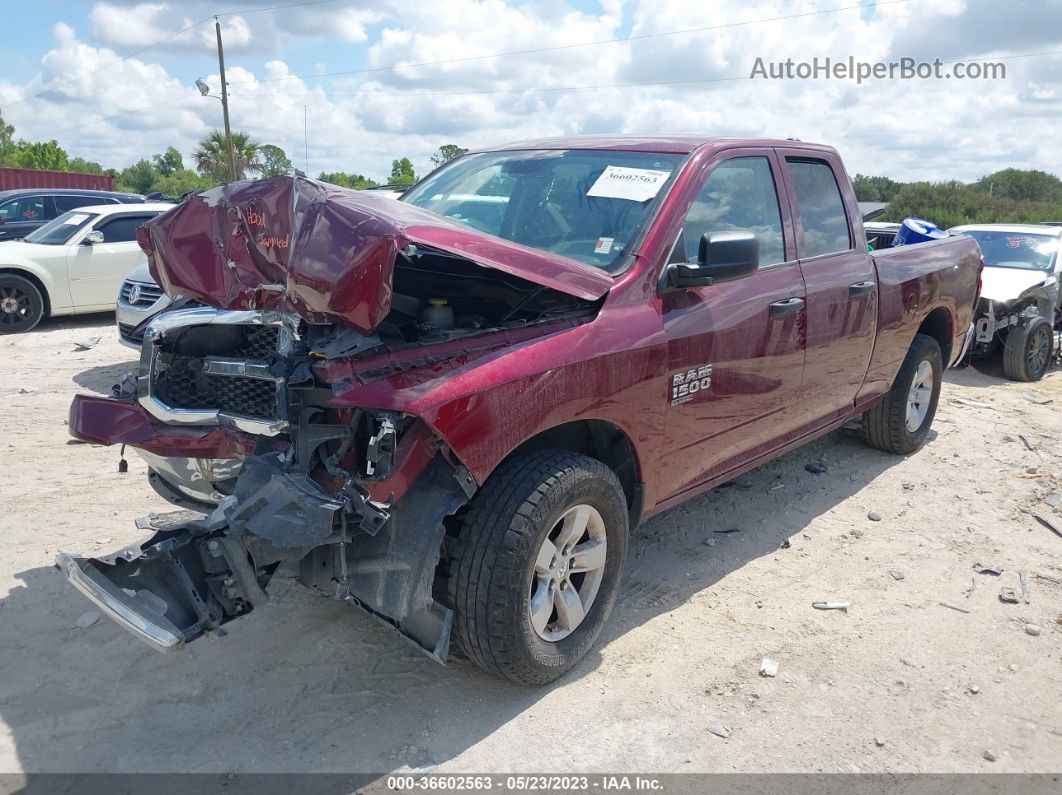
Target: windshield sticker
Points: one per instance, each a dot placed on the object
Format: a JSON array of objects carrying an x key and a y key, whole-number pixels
[
  {"x": 75, "y": 219},
  {"x": 604, "y": 245},
  {"x": 635, "y": 184}
]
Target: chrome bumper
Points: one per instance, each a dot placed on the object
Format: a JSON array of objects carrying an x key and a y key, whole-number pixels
[{"x": 155, "y": 631}]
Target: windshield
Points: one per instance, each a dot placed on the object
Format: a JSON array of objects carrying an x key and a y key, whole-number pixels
[
  {"x": 1017, "y": 249},
  {"x": 585, "y": 204},
  {"x": 57, "y": 232}
]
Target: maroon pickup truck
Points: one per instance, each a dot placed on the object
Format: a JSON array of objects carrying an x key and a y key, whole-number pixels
[{"x": 452, "y": 409}]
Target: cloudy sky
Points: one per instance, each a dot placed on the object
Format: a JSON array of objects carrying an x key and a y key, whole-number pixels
[{"x": 114, "y": 81}]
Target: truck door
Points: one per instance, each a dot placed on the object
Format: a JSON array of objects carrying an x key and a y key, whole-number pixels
[
  {"x": 735, "y": 348},
  {"x": 841, "y": 284}
]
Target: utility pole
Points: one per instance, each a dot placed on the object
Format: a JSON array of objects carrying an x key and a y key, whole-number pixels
[
  {"x": 225, "y": 102},
  {"x": 305, "y": 141}
]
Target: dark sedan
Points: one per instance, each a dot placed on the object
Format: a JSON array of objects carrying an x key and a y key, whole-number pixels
[{"x": 23, "y": 210}]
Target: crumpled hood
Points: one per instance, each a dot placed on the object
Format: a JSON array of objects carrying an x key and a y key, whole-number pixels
[
  {"x": 1007, "y": 284},
  {"x": 324, "y": 252}
]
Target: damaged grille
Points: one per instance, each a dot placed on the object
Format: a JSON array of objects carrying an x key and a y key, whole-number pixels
[{"x": 182, "y": 382}]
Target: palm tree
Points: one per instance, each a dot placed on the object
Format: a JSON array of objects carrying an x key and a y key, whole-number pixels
[{"x": 212, "y": 156}]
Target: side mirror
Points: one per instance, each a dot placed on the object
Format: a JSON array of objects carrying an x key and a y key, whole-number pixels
[
  {"x": 92, "y": 239},
  {"x": 721, "y": 257}
]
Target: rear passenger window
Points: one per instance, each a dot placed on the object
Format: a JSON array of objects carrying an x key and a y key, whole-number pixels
[
  {"x": 821, "y": 208},
  {"x": 64, "y": 203},
  {"x": 122, "y": 230},
  {"x": 739, "y": 194},
  {"x": 28, "y": 208}
]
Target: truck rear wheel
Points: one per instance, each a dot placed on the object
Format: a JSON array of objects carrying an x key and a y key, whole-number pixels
[
  {"x": 901, "y": 422},
  {"x": 536, "y": 566},
  {"x": 1027, "y": 351}
]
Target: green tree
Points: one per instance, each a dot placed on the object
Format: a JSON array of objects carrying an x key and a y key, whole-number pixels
[
  {"x": 168, "y": 162},
  {"x": 355, "y": 181},
  {"x": 1022, "y": 185},
  {"x": 83, "y": 166},
  {"x": 446, "y": 152},
  {"x": 952, "y": 203},
  {"x": 41, "y": 154},
  {"x": 212, "y": 156},
  {"x": 875, "y": 189},
  {"x": 180, "y": 182},
  {"x": 139, "y": 177},
  {"x": 402, "y": 172},
  {"x": 275, "y": 163},
  {"x": 7, "y": 143}
]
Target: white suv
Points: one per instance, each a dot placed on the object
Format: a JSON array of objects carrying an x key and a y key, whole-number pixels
[{"x": 72, "y": 265}]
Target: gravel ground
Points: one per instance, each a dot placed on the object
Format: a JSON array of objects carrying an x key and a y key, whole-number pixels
[{"x": 898, "y": 683}]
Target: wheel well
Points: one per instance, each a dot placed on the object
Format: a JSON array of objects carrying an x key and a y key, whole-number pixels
[
  {"x": 37, "y": 283},
  {"x": 938, "y": 326},
  {"x": 601, "y": 440}
]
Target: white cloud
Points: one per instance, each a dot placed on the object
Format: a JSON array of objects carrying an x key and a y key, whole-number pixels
[{"x": 905, "y": 129}]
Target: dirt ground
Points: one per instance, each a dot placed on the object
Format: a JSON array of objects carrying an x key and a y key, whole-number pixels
[{"x": 898, "y": 683}]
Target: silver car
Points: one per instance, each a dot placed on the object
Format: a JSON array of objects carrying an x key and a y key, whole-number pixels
[{"x": 139, "y": 300}]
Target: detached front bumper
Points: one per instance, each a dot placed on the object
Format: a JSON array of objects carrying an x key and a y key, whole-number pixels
[{"x": 136, "y": 617}]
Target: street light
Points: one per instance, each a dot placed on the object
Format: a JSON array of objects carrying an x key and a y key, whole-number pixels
[{"x": 204, "y": 89}]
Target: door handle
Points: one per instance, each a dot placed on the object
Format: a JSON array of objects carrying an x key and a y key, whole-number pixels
[
  {"x": 786, "y": 306},
  {"x": 859, "y": 289}
]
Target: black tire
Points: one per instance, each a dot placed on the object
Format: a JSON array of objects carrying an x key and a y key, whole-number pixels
[
  {"x": 885, "y": 425},
  {"x": 1027, "y": 352},
  {"x": 21, "y": 304},
  {"x": 492, "y": 562}
]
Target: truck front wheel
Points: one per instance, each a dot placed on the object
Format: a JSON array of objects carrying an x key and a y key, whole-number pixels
[
  {"x": 901, "y": 422},
  {"x": 536, "y": 565},
  {"x": 1027, "y": 351}
]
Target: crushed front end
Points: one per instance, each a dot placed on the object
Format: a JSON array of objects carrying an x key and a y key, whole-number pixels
[
  {"x": 231, "y": 419},
  {"x": 239, "y": 407}
]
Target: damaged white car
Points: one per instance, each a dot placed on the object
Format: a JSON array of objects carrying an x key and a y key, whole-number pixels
[{"x": 1020, "y": 306}]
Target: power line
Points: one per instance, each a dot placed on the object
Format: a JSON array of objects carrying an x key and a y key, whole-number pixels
[
  {"x": 163, "y": 40},
  {"x": 539, "y": 50},
  {"x": 125, "y": 113}
]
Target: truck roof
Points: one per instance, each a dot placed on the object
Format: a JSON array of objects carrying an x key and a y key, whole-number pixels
[{"x": 664, "y": 144}]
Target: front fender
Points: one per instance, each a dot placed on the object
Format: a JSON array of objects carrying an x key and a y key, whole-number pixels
[{"x": 485, "y": 406}]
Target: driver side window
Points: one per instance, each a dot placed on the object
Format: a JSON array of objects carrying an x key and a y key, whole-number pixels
[{"x": 739, "y": 194}]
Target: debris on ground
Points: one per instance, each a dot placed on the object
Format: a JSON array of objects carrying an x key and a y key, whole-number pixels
[
  {"x": 989, "y": 756},
  {"x": 1024, "y": 587},
  {"x": 730, "y": 530},
  {"x": 874, "y": 516},
  {"x": 1025, "y": 442},
  {"x": 86, "y": 620},
  {"x": 785, "y": 544},
  {"x": 1033, "y": 629},
  {"x": 830, "y": 605},
  {"x": 24, "y": 391},
  {"x": 768, "y": 667},
  {"x": 908, "y": 486},
  {"x": 973, "y": 690},
  {"x": 1039, "y": 401},
  {"x": 1047, "y": 524},
  {"x": 709, "y": 542},
  {"x": 1054, "y": 500},
  {"x": 953, "y": 607},
  {"x": 1009, "y": 595},
  {"x": 817, "y": 468},
  {"x": 718, "y": 729},
  {"x": 86, "y": 345},
  {"x": 973, "y": 587},
  {"x": 977, "y": 404},
  {"x": 993, "y": 570},
  {"x": 896, "y": 574},
  {"x": 879, "y": 742}
]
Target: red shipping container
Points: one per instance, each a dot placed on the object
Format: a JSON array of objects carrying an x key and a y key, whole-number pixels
[{"x": 12, "y": 178}]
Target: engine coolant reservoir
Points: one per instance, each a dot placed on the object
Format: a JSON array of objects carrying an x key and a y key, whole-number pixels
[{"x": 438, "y": 315}]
